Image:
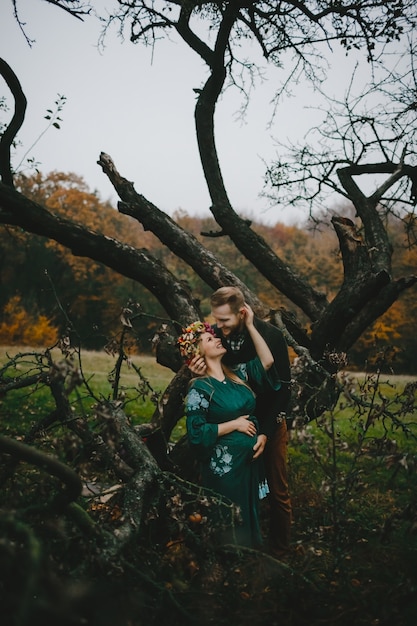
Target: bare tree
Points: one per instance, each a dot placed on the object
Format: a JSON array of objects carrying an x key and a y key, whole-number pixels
[{"x": 298, "y": 30}]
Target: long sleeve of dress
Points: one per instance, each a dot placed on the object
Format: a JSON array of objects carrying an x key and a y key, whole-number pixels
[
  {"x": 201, "y": 433},
  {"x": 265, "y": 384},
  {"x": 259, "y": 379}
]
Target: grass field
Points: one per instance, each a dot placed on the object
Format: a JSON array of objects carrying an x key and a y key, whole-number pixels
[
  {"x": 143, "y": 376},
  {"x": 99, "y": 364},
  {"x": 141, "y": 380}
]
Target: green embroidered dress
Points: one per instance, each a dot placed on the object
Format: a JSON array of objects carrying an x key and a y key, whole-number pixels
[{"x": 226, "y": 462}]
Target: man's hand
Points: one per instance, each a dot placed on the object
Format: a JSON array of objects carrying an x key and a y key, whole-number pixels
[
  {"x": 197, "y": 365},
  {"x": 259, "y": 446}
]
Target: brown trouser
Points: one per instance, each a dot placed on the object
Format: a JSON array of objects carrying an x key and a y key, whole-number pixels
[{"x": 275, "y": 457}]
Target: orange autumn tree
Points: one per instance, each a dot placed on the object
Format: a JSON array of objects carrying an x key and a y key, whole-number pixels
[
  {"x": 76, "y": 291},
  {"x": 21, "y": 327}
]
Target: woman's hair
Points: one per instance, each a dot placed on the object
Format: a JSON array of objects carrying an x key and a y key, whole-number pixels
[
  {"x": 189, "y": 341},
  {"x": 232, "y": 296}
]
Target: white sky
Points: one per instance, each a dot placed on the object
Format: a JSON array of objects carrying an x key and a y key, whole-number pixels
[{"x": 139, "y": 109}]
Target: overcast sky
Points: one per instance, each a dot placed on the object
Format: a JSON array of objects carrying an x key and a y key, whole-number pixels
[{"x": 138, "y": 107}]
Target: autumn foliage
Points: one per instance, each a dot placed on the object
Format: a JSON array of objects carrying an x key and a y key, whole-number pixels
[{"x": 22, "y": 327}]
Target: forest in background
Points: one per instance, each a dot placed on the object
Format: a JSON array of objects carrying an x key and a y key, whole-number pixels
[{"x": 47, "y": 292}]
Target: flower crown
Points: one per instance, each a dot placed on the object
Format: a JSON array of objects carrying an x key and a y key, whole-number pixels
[{"x": 188, "y": 341}]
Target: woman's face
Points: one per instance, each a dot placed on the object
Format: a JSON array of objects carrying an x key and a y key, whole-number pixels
[{"x": 210, "y": 346}]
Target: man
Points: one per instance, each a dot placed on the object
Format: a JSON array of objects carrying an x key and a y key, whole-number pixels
[{"x": 227, "y": 306}]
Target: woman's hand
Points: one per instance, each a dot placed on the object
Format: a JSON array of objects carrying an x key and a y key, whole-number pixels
[
  {"x": 248, "y": 315},
  {"x": 262, "y": 350},
  {"x": 245, "y": 425},
  {"x": 197, "y": 365}
]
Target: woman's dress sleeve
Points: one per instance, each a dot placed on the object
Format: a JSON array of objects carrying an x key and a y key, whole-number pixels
[
  {"x": 202, "y": 435},
  {"x": 259, "y": 379}
]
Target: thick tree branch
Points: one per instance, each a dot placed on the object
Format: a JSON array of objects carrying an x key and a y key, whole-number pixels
[
  {"x": 146, "y": 472},
  {"x": 139, "y": 265},
  {"x": 29, "y": 454},
  {"x": 251, "y": 245},
  {"x": 169, "y": 411},
  {"x": 183, "y": 244},
  {"x": 367, "y": 293},
  {"x": 13, "y": 128},
  {"x": 184, "y": 30},
  {"x": 376, "y": 235},
  {"x": 362, "y": 284},
  {"x": 372, "y": 310}
]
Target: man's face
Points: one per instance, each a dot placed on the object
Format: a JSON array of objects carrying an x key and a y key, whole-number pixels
[{"x": 227, "y": 321}]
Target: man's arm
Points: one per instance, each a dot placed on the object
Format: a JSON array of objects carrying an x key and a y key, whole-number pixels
[{"x": 270, "y": 404}]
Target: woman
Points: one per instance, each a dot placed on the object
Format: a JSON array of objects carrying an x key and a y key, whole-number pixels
[{"x": 221, "y": 426}]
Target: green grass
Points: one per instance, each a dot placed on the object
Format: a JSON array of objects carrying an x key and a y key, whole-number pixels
[
  {"x": 143, "y": 379},
  {"x": 141, "y": 382}
]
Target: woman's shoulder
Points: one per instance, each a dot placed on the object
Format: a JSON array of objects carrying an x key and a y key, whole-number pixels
[{"x": 199, "y": 395}]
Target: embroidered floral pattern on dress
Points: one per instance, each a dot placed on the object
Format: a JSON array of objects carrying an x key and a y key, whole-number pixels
[
  {"x": 196, "y": 401},
  {"x": 221, "y": 461}
]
